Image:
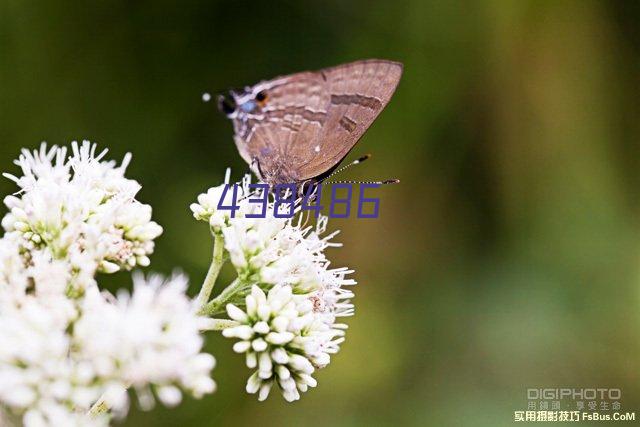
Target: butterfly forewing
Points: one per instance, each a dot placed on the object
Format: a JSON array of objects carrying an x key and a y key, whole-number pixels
[
  {"x": 309, "y": 121},
  {"x": 358, "y": 93}
]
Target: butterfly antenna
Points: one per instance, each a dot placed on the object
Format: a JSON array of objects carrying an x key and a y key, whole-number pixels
[
  {"x": 347, "y": 166},
  {"x": 212, "y": 95},
  {"x": 385, "y": 182}
]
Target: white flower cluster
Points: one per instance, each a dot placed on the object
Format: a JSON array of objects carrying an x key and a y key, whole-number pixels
[
  {"x": 149, "y": 337},
  {"x": 80, "y": 208},
  {"x": 53, "y": 368},
  {"x": 63, "y": 343},
  {"x": 304, "y": 298},
  {"x": 39, "y": 382},
  {"x": 207, "y": 207},
  {"x": 284, "y": 339}
]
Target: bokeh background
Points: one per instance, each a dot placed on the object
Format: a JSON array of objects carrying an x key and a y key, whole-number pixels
[{"x": 508, "y": 257}]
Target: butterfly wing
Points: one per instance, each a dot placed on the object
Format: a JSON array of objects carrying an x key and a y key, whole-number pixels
[{"x": 311, "y": 120}]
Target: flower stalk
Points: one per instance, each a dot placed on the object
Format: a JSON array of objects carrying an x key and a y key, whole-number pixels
[
  {"x": 216, "y": 305},
  {"x": 217, "y": 262}
]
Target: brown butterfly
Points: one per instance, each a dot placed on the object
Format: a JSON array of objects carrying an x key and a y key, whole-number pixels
[{"x": 298, "y": 128}]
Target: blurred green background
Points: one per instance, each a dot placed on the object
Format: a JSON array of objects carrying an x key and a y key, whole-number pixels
[{"x": 508, "y": 257}]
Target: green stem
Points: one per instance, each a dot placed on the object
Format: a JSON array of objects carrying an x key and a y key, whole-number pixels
[
  {"x": 216, "y": 264},
  {"x": 218, "y": 303}
]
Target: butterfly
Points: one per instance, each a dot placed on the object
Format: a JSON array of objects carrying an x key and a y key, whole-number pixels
[{"x": 298, "y": 128}]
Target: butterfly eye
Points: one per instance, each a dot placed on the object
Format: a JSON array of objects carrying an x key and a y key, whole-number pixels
[
  {"x": 261, "y": 96},
  {"x": 226, "y": 104}
]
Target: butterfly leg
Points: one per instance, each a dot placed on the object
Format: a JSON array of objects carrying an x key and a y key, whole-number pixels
[
  {"x": 255, "y": 167},
  {"x": 307, "y": 216}
]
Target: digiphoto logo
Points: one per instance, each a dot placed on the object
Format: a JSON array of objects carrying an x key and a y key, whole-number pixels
[
  {"x": 573, "y": 405},
  {"x": 611, "y": 394}
]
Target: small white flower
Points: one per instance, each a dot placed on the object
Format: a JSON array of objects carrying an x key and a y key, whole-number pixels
[
  {"x": 14, "y": 279},
  {"x": 37, "y": 275},
  {"x": 128, "y": 238},
  {"x": 207, "y": 208},
  {"x": 283, "y": 339}
]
